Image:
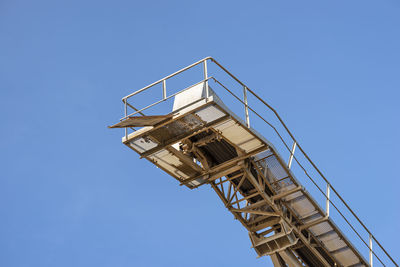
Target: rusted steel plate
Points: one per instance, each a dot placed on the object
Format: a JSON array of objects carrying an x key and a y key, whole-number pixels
[{"x": 140, "y": 121}]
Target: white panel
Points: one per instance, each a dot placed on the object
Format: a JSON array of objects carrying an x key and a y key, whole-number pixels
[
  {"x": 291, "y": 196},
  {"x": 311, "y": 216},
  {"x": 225, "y": 124},
  {"x": 329, "y": 237},
  {"x": 210, "y": 113},
  {"x": 167, "y": 161},
  {"x": 251, "y": 145},
  {"x": 142, "y": 145},
  {"x": 334, "y": 244},
  {"x": 321, "y": 228},
  {"x": 189, "y": 96},
  {"x": 168, "y": 157},
  {"x": 302, "y": 207},
  {"x": 238, "y": 135},
  {"x": 347, "y": 257}
]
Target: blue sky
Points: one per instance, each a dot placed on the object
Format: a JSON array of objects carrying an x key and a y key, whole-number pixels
[{"x": 72, "y": 195}]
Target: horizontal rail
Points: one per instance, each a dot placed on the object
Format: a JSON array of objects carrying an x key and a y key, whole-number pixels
[
  {"x": 166, "y": 78},
  {"x": 161, "y": 100}
]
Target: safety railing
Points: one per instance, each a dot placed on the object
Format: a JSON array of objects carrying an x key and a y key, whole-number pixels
[{"x": 247, "y": 109}]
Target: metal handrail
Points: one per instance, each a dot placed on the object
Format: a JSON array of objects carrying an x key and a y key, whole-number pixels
[
  {"x": 302, "y": 167},
  {"x": 165, "y": 97},
  {"x": 247, "y": 89},
  {"x": 166, "y": 78},
  {"x": 307, "y": 157}
]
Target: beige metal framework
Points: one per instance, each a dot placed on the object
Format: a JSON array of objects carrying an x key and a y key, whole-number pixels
[{"x": 202, "y": 141}]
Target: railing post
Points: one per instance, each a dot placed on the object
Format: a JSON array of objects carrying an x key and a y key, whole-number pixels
[
  {"x": 328, "y": 192},
  {"x": 246, "y": 107},
  {"x": 205, "y": 78},
  {"x": 164, "y": 86},
  {"x": 292, "y": 154},
  {"x": 370, "y": 250},
  {"x": 126, "y": 113}
]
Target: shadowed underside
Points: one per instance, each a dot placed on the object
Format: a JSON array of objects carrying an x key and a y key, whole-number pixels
[{"x": 205, "y": 143}]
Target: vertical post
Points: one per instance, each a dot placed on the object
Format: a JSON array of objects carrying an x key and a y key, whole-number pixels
[
  {"x": 164, "y": 87},
  {"x": 126, "y": 113},
  {"x": 291, "y": 154},
  {"x": 246, "y": 107},
  {"x": 370, "y": 250},
  {"x": 328, "y": 192},
  {"x": 205, "y": 78}
]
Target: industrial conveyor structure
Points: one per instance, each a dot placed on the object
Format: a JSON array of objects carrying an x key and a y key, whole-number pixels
[{"x": 191, "y": 134}]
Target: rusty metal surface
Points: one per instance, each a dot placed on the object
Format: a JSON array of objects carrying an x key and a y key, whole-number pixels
[{"x": 140, "y": 121}]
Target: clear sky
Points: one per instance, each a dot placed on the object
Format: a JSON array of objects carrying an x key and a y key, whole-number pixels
[{"x": 72, "y": 195}]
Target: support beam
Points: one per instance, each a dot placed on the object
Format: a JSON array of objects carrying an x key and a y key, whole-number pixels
[
  {"x": 237, "y": 188},
  {"x": 277, "y": 260},
  {"x": 298, "y": 231},
  {"x": 255, "y": 226},
  {"x": 290, "y": 258},
  {"x": 258, "y": 212},
  {"x": 185, "y": 159},
  {"x": 311, "y": 224},
  {"x": 286, "y": 193},
  {"x": 246, "y": 198},
  {"x": 178, "y": 138},
  {"x": 223, "y": 165}
]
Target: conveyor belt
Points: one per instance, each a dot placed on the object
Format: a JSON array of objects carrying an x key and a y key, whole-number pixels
[{"x": 206, "y": 143}]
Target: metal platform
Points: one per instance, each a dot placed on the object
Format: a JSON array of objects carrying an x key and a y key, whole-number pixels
[{"x": 201, "y": 141}]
